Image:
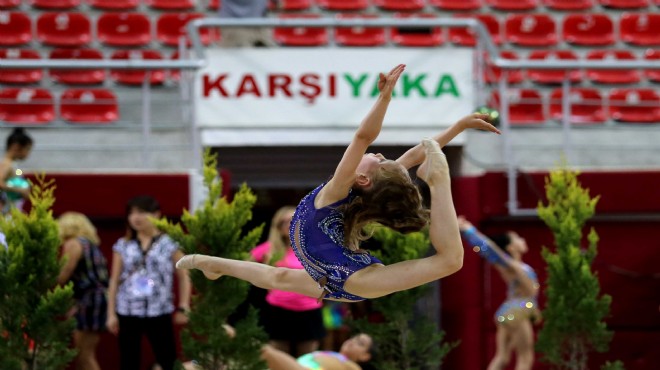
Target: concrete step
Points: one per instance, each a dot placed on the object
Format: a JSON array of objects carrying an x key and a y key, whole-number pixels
[{"x": 109, "y": 150}]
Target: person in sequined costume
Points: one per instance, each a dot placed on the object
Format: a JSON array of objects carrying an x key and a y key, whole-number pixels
[
  {"x": 515, "y": 315},
  {"x": 366, "y": 188}
]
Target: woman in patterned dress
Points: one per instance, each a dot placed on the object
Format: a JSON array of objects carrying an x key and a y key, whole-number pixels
[{"x": 140, "y": 299}]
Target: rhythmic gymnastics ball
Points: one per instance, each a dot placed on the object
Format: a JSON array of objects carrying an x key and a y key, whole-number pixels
[{"x": 494, "y": 115}]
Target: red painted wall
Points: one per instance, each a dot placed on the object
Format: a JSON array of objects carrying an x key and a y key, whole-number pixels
[{"x": 627, "y": 220}]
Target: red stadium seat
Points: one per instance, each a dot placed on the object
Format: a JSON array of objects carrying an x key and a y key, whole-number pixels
[
  {"x": 171, "y": 27},
  {"x": 15, "y": 29},
  {"x": 624, "y": 4},
  {"x": 416, "y": 36},
  {"x": 551, "y": 76},
  {"x": 525, "y": 106},
  {"x": 586, "y": 106},
  {"x": 8, "y": 4},
  {"x": 465, "y": 37},
  {"x": 569, "y": 4},
  {"x": 64, "y": 29},
  {"x": 343, "y": 5},
  {"x": 137, "y": 76},
  {"x": 214, "y": 4},
  {"x": 95, "y": 106},
  {"x": 461, "y": 5},
  {"x": 171, "y": 4},
  {"x": 531, "y": 30},
  {"x": 588, "y": 29},
  {"x": 77, "y": 76},
  {"x": 653, "y": 74},
  {"x": 26, "y": 106},
  {"x": 400, "y": 5},
  {"x": 115, "y": 4},
  {"x": 513, "y": 4},
  {"x": 492, "y": 74},
  {"x": 55, "y": 4},
  {"x": 641, "y": 29},
  {"x": 300, "y": 36},
  {"x": 19, "y": 76},
  {"x": 294, "y": 4},
  {"x": 359, "y": 36},
  {"x": 609, "y": 76},
  {"x": 635, "y": 105},
  {"x": 124, "y": 29}
]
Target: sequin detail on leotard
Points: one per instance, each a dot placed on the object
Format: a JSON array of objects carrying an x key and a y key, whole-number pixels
[
  {"x": 317, "y": 237},
  {"x": 514, "y": 307}
]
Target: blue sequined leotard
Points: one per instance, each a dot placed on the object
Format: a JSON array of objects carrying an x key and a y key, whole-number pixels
[
  {"x": 317, "y": 237},
  {"x": 515, "y": 305}
]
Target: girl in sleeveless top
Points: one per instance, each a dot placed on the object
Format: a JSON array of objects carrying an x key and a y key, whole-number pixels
[
  {"x": 19, "y": 146},
  {"x": 328, "y": 225},
  {"x": 515, "y": 315},
  {"x": 86, "y": 267}
]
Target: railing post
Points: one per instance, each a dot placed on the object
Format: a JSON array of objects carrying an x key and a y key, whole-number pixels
[
  {"x": 512, "y": 196},
  {"x": 566, "y": 117},
  {"x": 146, "y": 119}
]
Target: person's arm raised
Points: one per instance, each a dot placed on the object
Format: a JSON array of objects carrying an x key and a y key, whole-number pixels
[
  {"x": 415, "y": 155},
  {"x": 344, "y": 176},
  {"x": 486, "y": 248}
]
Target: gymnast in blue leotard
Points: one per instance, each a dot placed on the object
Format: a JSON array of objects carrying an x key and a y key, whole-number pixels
[
  {"x": 515, "y": 315},
  {"x": 329, "y": 223}
]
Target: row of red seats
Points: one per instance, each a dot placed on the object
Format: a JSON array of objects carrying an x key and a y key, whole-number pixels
[
  {"x": 114, "y": 29},
  {"x": 588, "y": 106},
  {"x": 527, "y": 30},
  {"x": 37, "y": 106},
  {"x": 85, "y": 76},
  {"x": 492, "y": 74},
  {"x": 102, "y": 4},
  {"x": 134, "y": 29},
  {"x": 342, "y": 5}
]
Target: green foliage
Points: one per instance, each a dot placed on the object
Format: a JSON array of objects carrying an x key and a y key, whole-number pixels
[
  {"x": 616, "y": 365},
  {"x": 575, "y": 309},
  {"x": 31, "y": 305},
  {"x": 404, "y": 340},
  {"x": 217, "y": 228}
]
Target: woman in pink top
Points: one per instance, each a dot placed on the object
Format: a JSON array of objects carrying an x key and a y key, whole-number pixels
[{"x": 293, "y": 321}]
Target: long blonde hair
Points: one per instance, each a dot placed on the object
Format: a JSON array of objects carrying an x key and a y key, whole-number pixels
[
  {"x": 393, "y": 201},
  {"x": 279, "y": 243},
  {"x": 75, "y": 225}
]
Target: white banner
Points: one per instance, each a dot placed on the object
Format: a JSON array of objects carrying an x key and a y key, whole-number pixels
[{"x": 320, "y": 87}]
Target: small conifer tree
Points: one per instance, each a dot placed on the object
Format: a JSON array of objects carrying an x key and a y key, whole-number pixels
[
  {"x": 575, "y": 309},
  {"x": 217, "y": 228},
  {"x": 404, "y": 340},
  {"x": 34, "y": 330}
]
